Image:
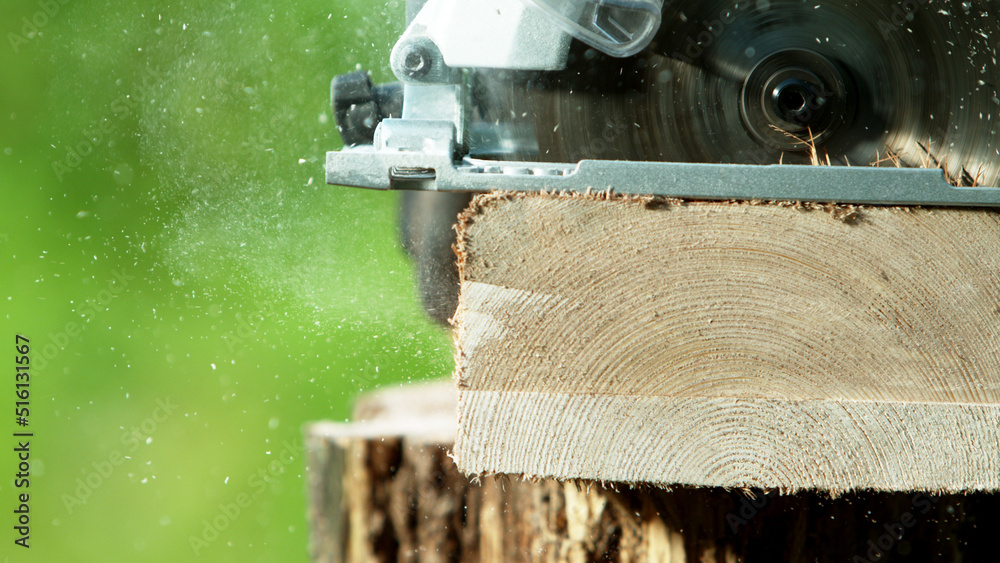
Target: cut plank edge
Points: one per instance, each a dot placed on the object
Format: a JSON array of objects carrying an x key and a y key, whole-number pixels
[{"x": 764, "y": 441}]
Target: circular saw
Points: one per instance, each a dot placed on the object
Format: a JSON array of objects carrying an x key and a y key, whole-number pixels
[
  {"x": 846, "y": 101},
  {"x": 893, "y": 102}
]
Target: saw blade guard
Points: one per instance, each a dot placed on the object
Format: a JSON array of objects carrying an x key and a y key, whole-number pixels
[{"x": 620, "y": 28}]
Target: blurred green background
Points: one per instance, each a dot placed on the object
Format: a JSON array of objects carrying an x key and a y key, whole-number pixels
[{"x": 193, "y": 291}]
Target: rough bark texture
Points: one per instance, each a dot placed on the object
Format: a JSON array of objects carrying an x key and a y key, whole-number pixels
[
  {"x": 385, "y": 489},
  {"x": 730, "y": 344}
]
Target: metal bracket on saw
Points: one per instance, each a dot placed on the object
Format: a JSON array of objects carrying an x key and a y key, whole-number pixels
[{"x": 366, "y": 167}]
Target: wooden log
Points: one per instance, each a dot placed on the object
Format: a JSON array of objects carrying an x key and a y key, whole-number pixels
[
  {"x": 383, "y": 488},
  {"x": 357, "y": 512},
  {"x": 770, "y": 346}
]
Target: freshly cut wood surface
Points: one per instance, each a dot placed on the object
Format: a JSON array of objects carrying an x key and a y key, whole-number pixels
[{"x": 730, "y": 344}]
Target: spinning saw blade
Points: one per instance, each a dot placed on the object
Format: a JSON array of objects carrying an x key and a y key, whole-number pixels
[{"x": 764, "y": 81}]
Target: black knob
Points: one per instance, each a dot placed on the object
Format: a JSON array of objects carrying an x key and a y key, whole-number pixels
[{"x": 358, "y": 106}]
